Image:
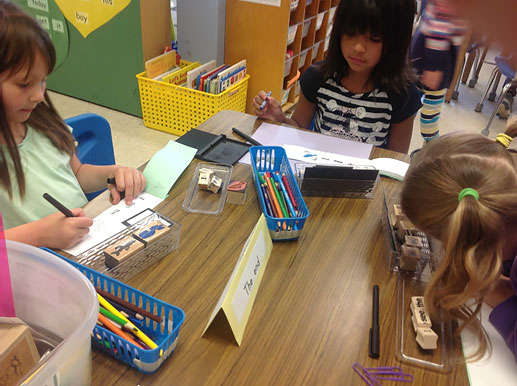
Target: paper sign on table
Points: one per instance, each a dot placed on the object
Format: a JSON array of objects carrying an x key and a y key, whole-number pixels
[
  {"x": 239, "y": 294},
  {"x": 6, "y": 290},
  {"x": 166, "y": 166}
]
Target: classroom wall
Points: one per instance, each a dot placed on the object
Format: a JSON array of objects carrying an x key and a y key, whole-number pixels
[{"x": 201, "y": 26}]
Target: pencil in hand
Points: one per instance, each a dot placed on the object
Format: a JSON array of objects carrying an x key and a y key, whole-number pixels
[{"x": 63, "y": 209}]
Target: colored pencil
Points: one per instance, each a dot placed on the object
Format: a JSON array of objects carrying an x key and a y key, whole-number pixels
[
  {"x": 133, "y": 328},
  {"x": 269, "y": 210},
  {"x": 126, "y": 311},
  {"x": 114, "y": 329},
  {"x": 273, "y": 198},
  {"x": 284, "y": 211},
  {"x": 288, "y": 187},
  {"x": 129, "y": 305},
  {"x": 112, "y": 316},
  {"x": 286, "y": 195}
]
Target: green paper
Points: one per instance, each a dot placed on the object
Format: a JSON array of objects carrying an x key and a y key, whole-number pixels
[{"x": 166, "y": 166}]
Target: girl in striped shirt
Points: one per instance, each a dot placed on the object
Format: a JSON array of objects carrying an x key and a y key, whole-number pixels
[{"x": 362, "y": 90}]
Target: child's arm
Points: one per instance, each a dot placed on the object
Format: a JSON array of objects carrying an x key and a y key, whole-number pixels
[
  {"x": 302, "y": 116},
  {"x": 53, "y": 231},
  {"x": 93, "y": 178},
  {"x": 400, "y": 135}
]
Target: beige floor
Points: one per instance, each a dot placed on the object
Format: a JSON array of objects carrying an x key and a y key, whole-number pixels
[{"x": 134, "y": 143}]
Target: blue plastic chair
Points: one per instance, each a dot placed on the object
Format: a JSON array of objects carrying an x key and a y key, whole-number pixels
[{"x": 94, "y": 144}]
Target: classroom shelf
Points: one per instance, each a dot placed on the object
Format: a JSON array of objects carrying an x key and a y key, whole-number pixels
[{"x": 253, "y": 31}]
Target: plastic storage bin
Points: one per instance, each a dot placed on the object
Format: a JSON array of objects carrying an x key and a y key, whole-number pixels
[
  {"x": 315, "y": 49},
  {"x": 285, "y": 96},
  {"x": 272, "y": 159},
  {"x": 287, "y": 65},
  {"x": 56, "y": 301},
  {"x": 303, "y": 57},
  {"x": 291, "y": 33},
  {"x": 94, "y": 257},
  {"x": 306, "y": 26},
  {"x": 319, "y": 20},
  {"x": 164, "y": 334},
  {"x": 204, "y": 201},
  {"x": 176, "y": 109},
  {"x": 332, "y": 12}
]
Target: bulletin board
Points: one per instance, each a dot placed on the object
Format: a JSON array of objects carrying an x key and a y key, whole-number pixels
[{"x": 102, "y": 45}]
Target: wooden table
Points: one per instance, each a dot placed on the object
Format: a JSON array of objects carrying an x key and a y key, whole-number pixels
[{"x": 312, "y": 313}]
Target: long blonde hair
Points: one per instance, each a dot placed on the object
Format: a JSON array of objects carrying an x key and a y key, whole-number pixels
[
  {"x": 472, "y": 231},
  {"x": 20, "y": 37}
]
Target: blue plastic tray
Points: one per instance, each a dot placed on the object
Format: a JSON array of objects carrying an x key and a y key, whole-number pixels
[
  {"x": 273, "y": 159},
  {"x": 164, "y": 334}
]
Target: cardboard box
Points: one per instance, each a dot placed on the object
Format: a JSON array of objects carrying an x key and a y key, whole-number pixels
[{"x": 18, "y": 353}]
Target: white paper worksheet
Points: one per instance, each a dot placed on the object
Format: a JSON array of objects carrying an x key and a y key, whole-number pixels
[{"x": 110, "y": 221}]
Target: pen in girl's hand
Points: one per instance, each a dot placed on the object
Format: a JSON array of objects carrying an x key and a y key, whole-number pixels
[
  {"x": 263, "y": 104},
  {"x": 63, "y": 209},
  {"x": 112, "y": 181}
]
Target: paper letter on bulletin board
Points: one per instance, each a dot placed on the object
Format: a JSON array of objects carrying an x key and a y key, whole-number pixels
[
  {"x": 87, "y": 16},
  {"x": 274, "y": 3}
]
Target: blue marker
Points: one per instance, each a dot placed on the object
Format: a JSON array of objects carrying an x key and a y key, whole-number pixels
[{"x": 263, "y": 104}]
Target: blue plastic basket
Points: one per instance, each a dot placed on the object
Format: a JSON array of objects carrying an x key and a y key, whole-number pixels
[
  {"x": 164, "y": 334},
  {"x": 273, "y": 159}
]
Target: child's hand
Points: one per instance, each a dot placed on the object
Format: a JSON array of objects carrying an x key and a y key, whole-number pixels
[
  {"x": 129, "y": 180},
  {"x": 272, "y": 109},
  {"x": 431, "y": 79},
  {"x": 65, "y": 232}
]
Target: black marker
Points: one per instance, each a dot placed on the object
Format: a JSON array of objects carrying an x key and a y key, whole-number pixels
[
  {"x": 246, "y": 137},
  {"x": 63, "y": 209},
  {"x": 112, "y": 181},
  {"x": 374, "y": 344}
]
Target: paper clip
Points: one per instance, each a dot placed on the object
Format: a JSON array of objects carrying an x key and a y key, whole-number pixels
[
  {"x": 373, "y": 375},
  {"x": 365, "y": 375},
  {"x": 389, "y": 374}
]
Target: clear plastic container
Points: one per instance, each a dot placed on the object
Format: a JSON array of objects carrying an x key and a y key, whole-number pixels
[
  {"x": 315, "y": 49},
  {"x": 332, "y": 12},
  {"x": 60, "y": 305},
  {"x": 204, "y": 201},
  {"x": 285, "y": 96},
  {"x": 303, "y": 57},
  {"x": 319, "y": 20},
  {"x": 291, "y": 33},
  {"x": 305, "y": 28},
  {"x": 287, "y": 65}
]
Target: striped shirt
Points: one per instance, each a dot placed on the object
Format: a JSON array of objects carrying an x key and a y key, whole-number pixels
[{"x": 358, "y": 117}]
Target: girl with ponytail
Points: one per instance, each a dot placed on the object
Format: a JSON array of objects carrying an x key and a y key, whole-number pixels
[{"x": 462, "y": 190}]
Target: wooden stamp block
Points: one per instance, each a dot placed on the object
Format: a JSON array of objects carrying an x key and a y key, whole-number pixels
[
  {"x": 18, "y": 353},
  {"x": 404, "y": 228},
  {"x": 421, "y": 319},
  {"x": 236, "y": 192},
  {"x": 204, "y": 180},
  {"x": 215, "y": 184},
  {"x": 409, "y": 258},
  {"x": 151, "y": 232},
  {"x": 426, "y": 338},
  {"x": 122, "y": 250},
  {"x": 413, "y": 241},
  {"x": 417, "y": 302},
  {"x": 398, "y": 214}
]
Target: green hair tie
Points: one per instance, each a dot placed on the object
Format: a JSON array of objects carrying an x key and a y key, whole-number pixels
[{"x": 468, "y": 192}]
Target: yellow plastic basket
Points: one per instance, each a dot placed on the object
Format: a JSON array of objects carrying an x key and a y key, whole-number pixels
[{"x": 177, "y": 109}]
